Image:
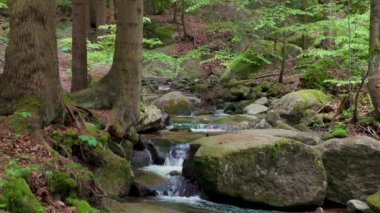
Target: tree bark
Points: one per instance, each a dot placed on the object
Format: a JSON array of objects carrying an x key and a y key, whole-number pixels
[
  {"x": 79, "y": 48},
  {"x": 101, "y": 16},
  {"x": 111, "y": 12},
  {"x": 374, "y": 56},
  {"x": 120, "y": 88},
  {"x": 31, "y": 64},
  {"x": 183, "y": 13}
]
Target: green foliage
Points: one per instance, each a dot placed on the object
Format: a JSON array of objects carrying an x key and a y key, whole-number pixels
[
  {"x": 13, "y": 169},
  {"x": 24, "y": 114},
  {"x": 247, "y": 63},
  {"x": 3, "y": 4},
  {"x": 91, "y": 141}
]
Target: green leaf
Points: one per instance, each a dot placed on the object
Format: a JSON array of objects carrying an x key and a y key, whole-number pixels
[
  {"x": 91, "y": 141},
  {"x": 24, "y": 114}
]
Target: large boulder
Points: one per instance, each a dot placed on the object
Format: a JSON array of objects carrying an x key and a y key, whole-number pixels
[
  {"x": 263, "y": 169},
  {"x": 175, "y": 103},
  {"x": 352, "y": 167},
  {"x": 254, "y": 109},
  {"x": 308, "y": 138},
  {"x": 295, "y": 105},
  {"x": 374, "y": 202},
  {"x": 114, "y": 174}
]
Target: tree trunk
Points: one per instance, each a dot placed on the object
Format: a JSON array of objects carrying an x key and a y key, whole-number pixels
[
  {"x": 183, "y": 12},
  {"x": 111, "y": 12},
  {"x": 305, "y": 42},
  {"x": 374, "y": 56},
  {"x": 174, "y": 6},
  {"x": 120, "y": 88},
  {"x": 101, "y": 16},
  {"x": 283, "y": 62},
  {"x": 79, "y": 48},
  {"x": 31, "y": 64},
  {"x": 328, "y": 43}
]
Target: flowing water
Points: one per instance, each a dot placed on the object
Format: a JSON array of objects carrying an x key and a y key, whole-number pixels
[{"x": 175, "y": 193}]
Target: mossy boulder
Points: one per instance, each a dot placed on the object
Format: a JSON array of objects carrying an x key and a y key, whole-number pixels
[
  {"x": 263, "y": 169},
  {"x": 295, "y": 105},
  {"x": 237, "y": 93},
  {"x": 314, "y": 79},
  {"x": 303, "y": 137},
  {"x": 175, "y": 103},
  {"x": 352, "y": 166},
  {"x": 18, "y": 197},
  {"x": 315, "y": 73},
  {"x": 373, "y": 202},
  {"x": 114, "y": 175},
  {"x": 61, "y": 183},
  {"x": 191, "y": 69}
]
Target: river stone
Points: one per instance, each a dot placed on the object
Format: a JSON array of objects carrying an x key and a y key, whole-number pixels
[
  {"x": 255, "y": 109},
  {"x": 271, "y": 170},
  {"x": 262, "y": 101},
  {"x": 303, "y": 137},
  {"x": 374, "y": 202},
  {"x": 175, "y": 103},
  {"x": 352, "y": 167},
  {"x": 357, "y": 206},
  {"x": 292, "y": 106},
  {"x": 150, "y": 119}
]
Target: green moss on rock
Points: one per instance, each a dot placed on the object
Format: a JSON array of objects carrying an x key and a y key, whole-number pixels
[
  {"x": 115, "y": 175},
  {"x": 82, "y": 206},
  {"x": 373, "y": 202},
  {"x": 19, "y": 198},
  {"x": 61, "y": 183}
]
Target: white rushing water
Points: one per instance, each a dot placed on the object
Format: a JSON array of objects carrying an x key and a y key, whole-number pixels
[{"x": 177, "y": 185}]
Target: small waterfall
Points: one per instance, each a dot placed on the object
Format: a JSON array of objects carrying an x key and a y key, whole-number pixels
[
  {"x": 177, "y": 154},
  {"x": 177, "y": 185}
]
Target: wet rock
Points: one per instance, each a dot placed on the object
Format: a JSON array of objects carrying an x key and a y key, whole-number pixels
[
  {"x": 352, "y": 166},
  {"x": 175, "y": 103},
  {"x": 255, "y": 109},
  {"x": 354, "y": 206},
  {"x": 260, "y": 169},
  {"x": 157, "y": 157},
  {"x": 174, "y": 173},
  {"x": 140, "y": 191},
  {"x": 140, "y": 159}
]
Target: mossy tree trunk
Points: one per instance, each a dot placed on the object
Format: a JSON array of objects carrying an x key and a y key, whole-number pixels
[
  {"x": 79, "y": 49},
  {"x": 374, "y": 60},
  {"x": 31, "y": 64},
  {"x": 120, "y": 88}
]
